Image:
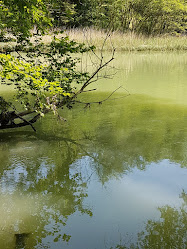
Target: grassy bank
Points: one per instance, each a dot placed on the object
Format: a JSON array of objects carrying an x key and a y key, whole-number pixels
[
  {"x": 120, "y": 41},
  {"x": 129, "y": 41}
]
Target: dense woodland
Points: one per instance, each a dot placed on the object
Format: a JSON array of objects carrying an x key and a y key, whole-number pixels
[{"x": 150, "y": 17}]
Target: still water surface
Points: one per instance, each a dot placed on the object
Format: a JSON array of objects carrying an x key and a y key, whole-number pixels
[{"x": 114, "y": 176}]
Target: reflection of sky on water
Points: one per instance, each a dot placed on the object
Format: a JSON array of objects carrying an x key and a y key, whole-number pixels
[
  {"x": 18, "y": 173},
  {"x": 122, "y": 206}
]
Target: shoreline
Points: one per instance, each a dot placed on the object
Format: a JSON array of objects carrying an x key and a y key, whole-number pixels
[{"x": 122, "y": 42}]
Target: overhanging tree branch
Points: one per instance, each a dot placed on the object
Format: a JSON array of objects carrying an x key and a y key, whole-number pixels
[{"x": 89, "y": 81}]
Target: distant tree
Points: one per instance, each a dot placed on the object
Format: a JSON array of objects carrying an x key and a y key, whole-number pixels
[
  {"x": 150, "y": 17},
  {"x": 158, "y": 17},
  {"x": 62, "y": 12}
]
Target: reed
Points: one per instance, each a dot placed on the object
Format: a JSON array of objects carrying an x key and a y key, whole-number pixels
[
  {"x": 118, "y": 40},
  {"x": 127, "y": 41}
]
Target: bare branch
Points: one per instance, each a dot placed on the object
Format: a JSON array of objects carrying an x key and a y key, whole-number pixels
[
  {"x": 87, "y": 104},
  {"x": 21, "y": 56},
  {"x": 88, "y": 82},
  {"x": 89, "y": 90}
]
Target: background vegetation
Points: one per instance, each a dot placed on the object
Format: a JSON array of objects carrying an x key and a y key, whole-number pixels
[{"x": 149, "y": 17}]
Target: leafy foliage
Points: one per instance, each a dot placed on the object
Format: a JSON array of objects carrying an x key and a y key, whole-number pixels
[
  {"x": 62, "y": 12},
  {"x": 19, "y": 17},
  {"x": 46, "y": 76},
  {"x": 163, "y": 16}
]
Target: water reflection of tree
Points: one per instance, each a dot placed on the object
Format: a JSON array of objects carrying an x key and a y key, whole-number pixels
[
  {"x": 134, "y": 136},
  {"x": 138, "y": 134},
  {"x": 43, "y": 173},
  {"x": 168, "y": 233},
  {"x": 125, "y": 135}
]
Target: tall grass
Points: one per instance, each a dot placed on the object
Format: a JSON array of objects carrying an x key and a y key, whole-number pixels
[
  {"x": 128, "y": 41},
  {"x": 119, "y": 41}
]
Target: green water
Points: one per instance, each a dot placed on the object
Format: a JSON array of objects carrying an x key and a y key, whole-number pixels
[{"x": 113, "y": 176}]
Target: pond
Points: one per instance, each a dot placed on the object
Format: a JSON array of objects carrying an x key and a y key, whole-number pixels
[{"x": 112, "y": 176}]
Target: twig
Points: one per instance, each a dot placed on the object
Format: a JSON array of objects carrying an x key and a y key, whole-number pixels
[
  {"x": 93, "y": 75},
  {"x": 21, "y": 56},
  {"x": 87, "y": 104},
  {"x": 89, "y": 90}
]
